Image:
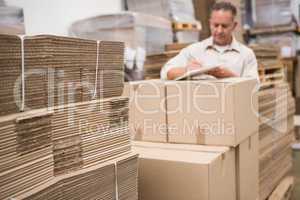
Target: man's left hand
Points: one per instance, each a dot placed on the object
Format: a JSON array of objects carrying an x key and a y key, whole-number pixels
[{"x": 222, "y": 72}]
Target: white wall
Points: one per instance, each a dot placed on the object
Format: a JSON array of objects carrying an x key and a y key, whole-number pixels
[{"x": 55, "y": 16}]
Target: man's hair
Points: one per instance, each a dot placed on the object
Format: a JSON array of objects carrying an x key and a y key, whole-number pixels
[{"x": 226, "y": 6}]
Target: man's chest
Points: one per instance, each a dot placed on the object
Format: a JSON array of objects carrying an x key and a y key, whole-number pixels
[{"x": 232, "y": 60}]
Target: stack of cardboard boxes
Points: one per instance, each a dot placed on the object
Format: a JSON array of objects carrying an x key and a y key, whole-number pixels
[
  {"x": 276, "y": 135},
  {"x": 154, "y": 64},
  {"x": 196, "y": 139},
  {"x": 64, "y": 129}
]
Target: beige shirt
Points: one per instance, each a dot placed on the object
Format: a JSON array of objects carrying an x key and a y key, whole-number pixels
[{"x": 236, "y": 57}]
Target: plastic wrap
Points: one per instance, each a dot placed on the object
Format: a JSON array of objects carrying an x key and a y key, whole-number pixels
[
  {"x": 11, "y": 20},
  {"x": 289, "y": 43},
  {"x": 143, "y": 35},
  {"x": 186, "y": 36},
  {"x": 135, "y": 29},
  {"x": 2, "y": 3},
  {"x": 175, "y": 10},
  {"x": 268, "y": 13}
]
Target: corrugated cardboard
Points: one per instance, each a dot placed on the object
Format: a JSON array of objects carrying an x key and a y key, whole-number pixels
[
  {"x": 215, "y": 112},
  {"x": 247, "y": 157},
  {"x": 147, "y": 110},
  {"x": 176, "y": 172}
]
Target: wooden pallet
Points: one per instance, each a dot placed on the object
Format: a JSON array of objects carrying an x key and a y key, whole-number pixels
[
  {"x": 271, "y": 74},
  {"x": 284, "y": 190},
  {"x": 276, "y": 29},
  {"x": 271, "y": 80},
  {"x": 178, "y": 26},
  {"x": 176, "y": 46}
]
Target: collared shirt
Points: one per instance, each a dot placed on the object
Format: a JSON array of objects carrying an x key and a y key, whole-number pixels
[{"x": 236, "y": 57}]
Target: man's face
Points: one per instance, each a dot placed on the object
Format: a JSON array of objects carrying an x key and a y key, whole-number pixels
[{"x": 222, "y": 25}]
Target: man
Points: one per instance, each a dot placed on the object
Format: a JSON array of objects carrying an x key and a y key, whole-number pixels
[{"x": 221, "y": 50}]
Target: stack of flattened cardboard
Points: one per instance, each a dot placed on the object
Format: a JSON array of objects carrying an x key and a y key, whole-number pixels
[
  {"x": 205, "y": 112},
  {"x": 41, "y": 71},
  {"x": 270, "y": 67},
  {"x": 25, "y": 152},
  {"x": 104, "y": 181},
  {"x": 78, "y": 149},
  {"x": 89, "y": 133},
  {"x": 276, "y": 134},
  {"x": 154, "y": 64}
]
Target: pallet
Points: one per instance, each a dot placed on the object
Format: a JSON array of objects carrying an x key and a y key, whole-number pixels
[
  {"x": 179, "y": 26},
  {"x": 276, "y": 29},
  {"x": 271, "y": 74},
  {"x": 176, "y": 46},
  {"x": 284, "y": 190},
  {"x": 271, "y": 83}
]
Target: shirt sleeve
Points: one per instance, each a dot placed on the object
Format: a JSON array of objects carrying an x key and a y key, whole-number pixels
[
  {"x": 251, "y": 67},
  {"x": 180, "y": 60}
]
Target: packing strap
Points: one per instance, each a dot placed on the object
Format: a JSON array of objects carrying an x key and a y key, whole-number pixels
[
  {"x": 116, "y": 181},
  {"x": 97, "y": 66},
  {"x": 22, "y": 37}
]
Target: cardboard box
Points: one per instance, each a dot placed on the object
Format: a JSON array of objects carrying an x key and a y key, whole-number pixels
[
  {"x": 240, "y": 165},
  {"x": 147, "y": 110},
  {"x": 247, "y": 163},
  {"x": 176, "y": 172},
  {"x": 215, "y": 112}
]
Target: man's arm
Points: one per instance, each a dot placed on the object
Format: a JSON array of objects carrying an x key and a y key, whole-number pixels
[
  {"x": 250, "y": 68},
  {"x": 179, "y": 65},
  {"x": 176, "y": 72}
]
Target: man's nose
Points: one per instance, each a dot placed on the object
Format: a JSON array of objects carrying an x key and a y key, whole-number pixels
[{"x": 219, "y": 29}]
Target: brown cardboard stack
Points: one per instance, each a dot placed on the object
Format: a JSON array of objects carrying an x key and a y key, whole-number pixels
[
  {"x": 212, "y": 117},
  {"x": 103, "y": 181},
  {"x": 270, "y": 67},
  {"x": 154, "y": 64},
  {"x": 211, "y": 112},
  {"x": 25, "y": 152},
  {"x": 181, "y": 171},
  {"x": 57, "y": 70},
  {"x": 174, "y": 171},
  {"x": 218, "y": 112},
  {"x": 276, "y": 134},
  {"x": 73, "y": 149},
  {"x": 147, "y": 110},
  {"x": 89, "y": 133}
]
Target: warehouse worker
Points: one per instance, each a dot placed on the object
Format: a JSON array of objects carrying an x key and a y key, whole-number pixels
[{"x": 231, "y": 58}]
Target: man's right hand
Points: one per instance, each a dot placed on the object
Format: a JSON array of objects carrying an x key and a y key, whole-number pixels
[
  {"x": 179, "y": 71},
  {"x": 193, "y": 65}
]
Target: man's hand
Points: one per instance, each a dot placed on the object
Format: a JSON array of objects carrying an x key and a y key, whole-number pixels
[
  {"x": 222, "y": 72},
  {"x": 193, "y": 65},
  {"x": 179, "y": 71}
]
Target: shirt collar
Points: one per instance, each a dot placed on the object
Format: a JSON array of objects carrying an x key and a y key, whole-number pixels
[{"x": 234, "y": 46}]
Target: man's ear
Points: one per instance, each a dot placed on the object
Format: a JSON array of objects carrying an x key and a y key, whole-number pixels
[{"x": 235, "y": 23}]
